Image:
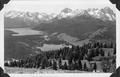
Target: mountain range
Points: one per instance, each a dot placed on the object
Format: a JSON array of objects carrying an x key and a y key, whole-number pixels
[
  {"x": 82, "y": 24},
  {"x": 74, "y": 27},
  {"x": 31, "y": 19}
]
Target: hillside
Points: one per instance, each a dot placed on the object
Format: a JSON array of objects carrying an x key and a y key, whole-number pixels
[
  {"x": 69, "y": 27},
  {"x": 19, "y": 47},
  {"x": 76, "y": 26}
]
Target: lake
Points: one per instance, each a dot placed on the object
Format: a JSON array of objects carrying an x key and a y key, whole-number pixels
[
  {"x": 25, "y": 31},
  {"x": 29, "y": 31}
]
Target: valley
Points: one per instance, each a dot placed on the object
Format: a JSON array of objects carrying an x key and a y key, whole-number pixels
[
  {"x": 20, "y": 42},
  {"x": 82, "y": 40}
]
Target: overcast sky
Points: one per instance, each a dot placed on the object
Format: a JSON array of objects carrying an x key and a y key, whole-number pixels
[{"x": 55, "y": 6}]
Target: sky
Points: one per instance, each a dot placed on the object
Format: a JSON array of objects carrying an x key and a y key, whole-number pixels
[{"x": 55, "y": 6}]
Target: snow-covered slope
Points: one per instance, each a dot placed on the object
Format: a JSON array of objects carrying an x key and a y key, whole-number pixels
[
  {"x": 104, "y": 13},
  {"x": 29, "y": 18}
]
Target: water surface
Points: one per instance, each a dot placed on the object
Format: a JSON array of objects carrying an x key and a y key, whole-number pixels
[{"x": 25, "y": 31}]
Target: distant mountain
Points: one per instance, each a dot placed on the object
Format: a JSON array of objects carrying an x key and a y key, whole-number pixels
[
  {"x": 104, "y": 13},
  {"x": 75, "y": 27},
  {"x": 95, "y": 23},
  {"x": 28, "y": 19}
]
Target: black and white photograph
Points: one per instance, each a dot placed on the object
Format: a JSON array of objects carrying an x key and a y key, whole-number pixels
[{"x": 59, "y": 37}]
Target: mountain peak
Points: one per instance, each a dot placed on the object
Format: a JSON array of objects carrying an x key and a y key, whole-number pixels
[
  {"x": 104, "y": 14},
  {"x": 107, "y": 8},
  {"x": 66, "y": 10}
]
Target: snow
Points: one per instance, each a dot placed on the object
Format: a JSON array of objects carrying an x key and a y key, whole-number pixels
[
  {"x": 96, "y": 13},
  {"x": 109, "y": 16}
]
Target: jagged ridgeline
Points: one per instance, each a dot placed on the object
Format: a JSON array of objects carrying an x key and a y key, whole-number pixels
[{"x": 83, "y": 40}]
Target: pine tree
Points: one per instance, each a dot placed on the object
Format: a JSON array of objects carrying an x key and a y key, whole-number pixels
[
  {"x": 60, "y": 63},
  {"x": 44, "y": 63},
  {"x": 95, "y": 67},
  {"x": 54, "y": 65},
  {"x": 76, "y": 66},
  {"x": 97, "y": 51},
  {"x": 65, "y": 66},
  {"x": 85, "y": 66},
  {"x": 111, "y": 45},
  {"x": 114, "y": 51},
  {"x": 50, "y": 63},
  {"x": 105, "y": 45},
  {"x": 109, "y": 54},
  {"x": 80, "y": 65}
]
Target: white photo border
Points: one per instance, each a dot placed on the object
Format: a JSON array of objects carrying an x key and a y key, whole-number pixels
[{"x": 60, "y": 74}]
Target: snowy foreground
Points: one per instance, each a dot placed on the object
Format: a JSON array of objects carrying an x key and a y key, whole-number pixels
[{"x": 17, "y": 70}]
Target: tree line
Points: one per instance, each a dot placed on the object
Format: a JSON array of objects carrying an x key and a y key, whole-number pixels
[{"x": 53, "y": 59}]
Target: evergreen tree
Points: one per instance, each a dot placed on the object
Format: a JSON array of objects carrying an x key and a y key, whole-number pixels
[
  {"x": 109, "y": 54},
  {"x": 76, "y": 66},
  {"x": 54, "y": 65},
  {"x": 113, "y": 61},
  {"x": 101, "y": 52},
  {"x": 105, "y": 45},
  {"x": 85, "y": 66},
  {"x": 70, "y": 59},
  {"x": 44, "y": 62},
  {"x": 65, "y": 66},
  {"x": 114, "y": 51},
  {"x": 60, "y": 63},
  {"x": 80, "y": 65},
  {"x": 95, "y": 67},
  {"x": 50, "y": 63},
  {"x": 111, "y": 45}
]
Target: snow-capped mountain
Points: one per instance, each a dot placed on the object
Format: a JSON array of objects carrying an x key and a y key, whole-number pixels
[
  {"x": 105, "y": 14},
  {"x": 67, "y": 12},
  {"x": 28, "y": 16},
  {"x": 75, "y": 27},
  {"x": 15, "y": 18}
]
